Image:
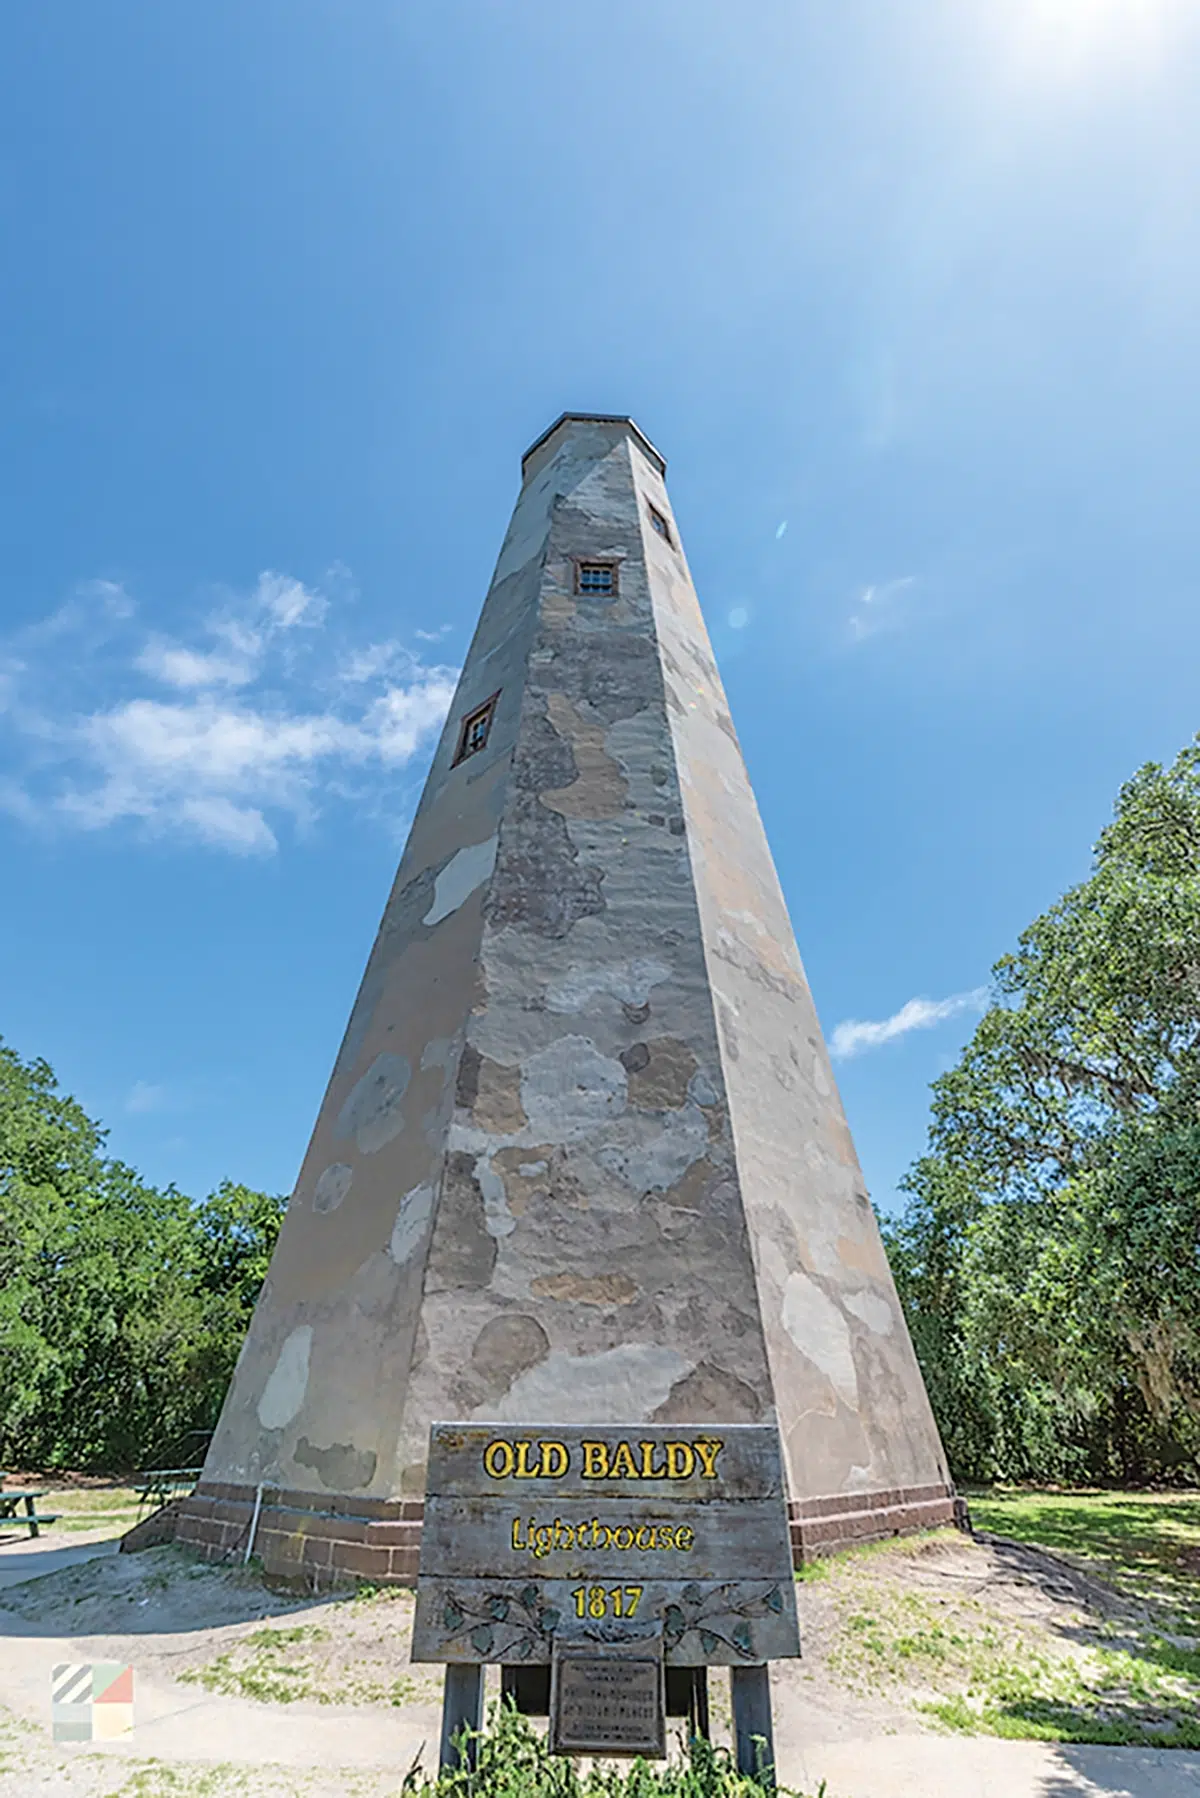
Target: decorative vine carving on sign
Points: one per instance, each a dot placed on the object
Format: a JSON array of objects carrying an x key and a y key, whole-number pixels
[{"x": 508, "y": 1626}]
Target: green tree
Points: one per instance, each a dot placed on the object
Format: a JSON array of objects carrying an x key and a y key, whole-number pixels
[
  {"x": 122, "y": 1307},
  {"x": 1049, "y": 1254}
]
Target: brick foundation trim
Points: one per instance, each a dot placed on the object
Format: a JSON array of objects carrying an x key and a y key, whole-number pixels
[
  {"x": 822, "y": 1525},
  {"x": 320, "y": 1539},
  {"x": 310, "y": 1539}
]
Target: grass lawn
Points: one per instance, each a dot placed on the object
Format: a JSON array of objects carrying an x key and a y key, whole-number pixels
[
  {"x": 1131, "y": 1674},
  {"x": 1145, "y": 1545},
  {"x": 84, "y": 1507}
]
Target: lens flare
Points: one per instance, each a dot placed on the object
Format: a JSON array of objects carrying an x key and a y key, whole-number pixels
[{"x": 1072, "y": 37}]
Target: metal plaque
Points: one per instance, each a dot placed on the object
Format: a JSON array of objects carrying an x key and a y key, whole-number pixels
[{"x": 606, "y": 1702}]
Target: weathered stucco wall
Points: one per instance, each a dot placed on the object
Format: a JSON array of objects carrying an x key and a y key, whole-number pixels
[
  {"x": 581, "y": 1155},
  {"x": 590, "y": 1256}
]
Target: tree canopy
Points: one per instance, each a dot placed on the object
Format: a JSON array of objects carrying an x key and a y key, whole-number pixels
[
  {"x": 122, "y": 1307},
  {"x": 1049, "y": 1252}
]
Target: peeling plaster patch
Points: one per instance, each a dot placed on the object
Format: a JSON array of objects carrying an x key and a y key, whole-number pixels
[
  {"x": 619, "y": 1385},
  {"x": 629, "y": 981},
  {"x": 570, "y": 1087},
  {"x": 372, "y": 1290},
  {"x": 701, "y": 1189},
  {"x": 466, "y": 870},
  {"x": 341, "y": 1467},
  {"x": 599, "y": 788},
  {"x": 506, "y": 1346},
  {"x": 709, "y": 1391},
  {"x": 821, "y": 1333},
  {"x": 701, "y": 1089},
  {"x": 498, "y": 1220},
  {"x": 372, "y": 1112},
  {"x": 497, "y": 1104},
  {"x": 863, "y": 1253},
  {"x": 438, "y": 1052},
  {"x": 332, "y": 1187},
  {"x": 659, "y": 1073},
  {"x": 596, "y": 1289},
  {"x": 820, "y": 1078},
  {"x": 875, "y": 1312},
  {"x": 664, "y": 1156},
  {"x": 859, "y": 1479},
  {"x": 463, "y": 1253},
  {"x": 283, "y": 1394},
  {"x": 412, "y": 1221}
]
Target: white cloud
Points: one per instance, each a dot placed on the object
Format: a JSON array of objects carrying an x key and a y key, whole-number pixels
[
  {"x": 268, "y": 711},
  {"x": 877, "y": 608},
  {"x": 176, "y": 666},
  {"x": 143, "y": 1096},
  {"x": 853, "y": 1036},
  {"x": 287, "y": 603}
]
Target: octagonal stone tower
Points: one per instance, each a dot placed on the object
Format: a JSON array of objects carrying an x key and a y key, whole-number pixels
[{"x": 581, "y": 1157}]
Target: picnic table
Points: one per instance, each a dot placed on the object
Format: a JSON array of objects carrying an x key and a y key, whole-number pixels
[
  {"x": 32, "y": 1518},
  {"x": 159, "y": 1485}
]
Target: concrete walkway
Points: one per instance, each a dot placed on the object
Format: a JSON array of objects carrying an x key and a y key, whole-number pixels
[
  {"x": 983, "y": 1767},
  {"x": 25, "y": 1558}
]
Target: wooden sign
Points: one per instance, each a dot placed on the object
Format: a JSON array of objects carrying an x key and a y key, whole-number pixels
[{"x": 599, "y": 1533}]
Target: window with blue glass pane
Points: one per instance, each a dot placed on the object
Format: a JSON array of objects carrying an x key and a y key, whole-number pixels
[
  {"x": 476, "y": 727},
  {"x": 599, "y": 578}
]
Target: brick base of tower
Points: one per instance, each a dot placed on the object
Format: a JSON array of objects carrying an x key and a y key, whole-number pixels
[{"x": 321, "y": 1540}]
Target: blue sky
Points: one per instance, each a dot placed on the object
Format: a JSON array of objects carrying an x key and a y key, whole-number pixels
[{"x": 288, "y": 287}]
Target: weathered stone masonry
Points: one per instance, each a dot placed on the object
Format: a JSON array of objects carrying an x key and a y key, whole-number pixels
[{"x": 581, "y": 1155}]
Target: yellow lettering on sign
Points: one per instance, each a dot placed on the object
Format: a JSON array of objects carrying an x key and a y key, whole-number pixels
[
  {"x": 621, "y": 1466},
  {"x": 680, "y": 1461},
  {"x": 595, "y": 1460},
  {"x": 540, "y": 1539},
  {"x": 555, "y": 1460},
  {"x": 523, "y": 1470},
  {"x": 707, "y": 1453},
  {"x": 547, "y": 1459},
  {"x": 498, "y": 1460},
  {"x": 648, "y": 1471}
]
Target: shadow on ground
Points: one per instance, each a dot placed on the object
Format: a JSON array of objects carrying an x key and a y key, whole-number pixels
[
  {"x": 78, "y": 1591},
  {"x": 1087, "y": 1772}
]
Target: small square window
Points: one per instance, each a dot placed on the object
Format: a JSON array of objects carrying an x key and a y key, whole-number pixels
[
  {"x": 476, "y": 728},
  {"x": 660, "y": 524},
  {"x": 597, "y": 578}
]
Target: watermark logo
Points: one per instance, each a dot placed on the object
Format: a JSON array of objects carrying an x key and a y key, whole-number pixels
[{"x": 91, "y": 1701}]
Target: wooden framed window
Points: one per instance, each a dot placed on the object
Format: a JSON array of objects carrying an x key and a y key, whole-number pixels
[
  {"x": 599, "y": 579},
  {"x": 475, "y": 730}
]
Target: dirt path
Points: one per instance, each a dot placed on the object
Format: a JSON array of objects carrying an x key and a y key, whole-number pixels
[{"x": 241, "y": 1691}]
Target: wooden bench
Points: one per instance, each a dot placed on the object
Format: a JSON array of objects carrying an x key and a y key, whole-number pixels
[{"x": 32, "y": 1518}]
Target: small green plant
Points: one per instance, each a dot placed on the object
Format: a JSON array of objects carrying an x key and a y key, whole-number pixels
[
  {"x": 366, "y": 1593},
  {"x": 511, "y": 1760},
  {"x": 261, "y": 1666}
]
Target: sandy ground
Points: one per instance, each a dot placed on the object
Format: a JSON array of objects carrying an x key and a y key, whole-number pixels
[{"x": 360, "y": 1712}]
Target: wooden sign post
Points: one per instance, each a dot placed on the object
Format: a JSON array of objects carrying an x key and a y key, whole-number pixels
[{"x": 607, "y": 1554}]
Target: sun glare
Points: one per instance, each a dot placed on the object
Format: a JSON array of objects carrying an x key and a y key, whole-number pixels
[{"x": 1072, "y": 37}]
